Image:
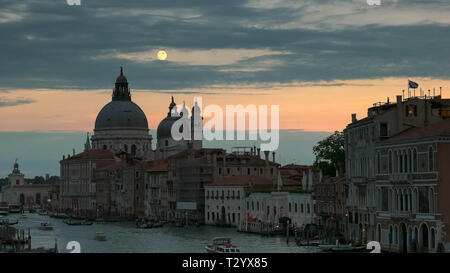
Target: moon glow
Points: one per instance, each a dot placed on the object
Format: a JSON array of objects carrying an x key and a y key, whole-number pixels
[{"x": 162, "y": 55}]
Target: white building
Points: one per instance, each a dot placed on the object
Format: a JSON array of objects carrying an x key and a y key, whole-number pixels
[
  {"x": 17, "y": 192},
  {"x": 238, "y": 200}
]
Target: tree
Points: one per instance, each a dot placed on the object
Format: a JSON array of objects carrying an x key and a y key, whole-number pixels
[{"x": 330, "y": 154}]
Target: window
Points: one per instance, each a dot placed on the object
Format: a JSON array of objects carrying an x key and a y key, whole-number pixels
[
  {"x": 383, "y": 129},
  {"x": 166, "y": 143},
  {"x": 415, "y": 160},
  {"x": 378, "y": 163},
  {"x": 430, "y": 159},
  {"x": 295, "y": 207},
  {"x": 411, "y": 110}
]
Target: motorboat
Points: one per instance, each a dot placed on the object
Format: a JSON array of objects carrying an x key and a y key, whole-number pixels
[
  {"x": 222, "y": 245},
  {"x": 24, "y": 216},
  {"x": 46, "y": 226},
  {"x": 100, "y": 236},
  {"x": 145, "y": 225},
  {"x": 42, "y": 212}
]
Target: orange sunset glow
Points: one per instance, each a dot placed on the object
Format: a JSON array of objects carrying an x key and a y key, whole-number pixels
[{"x": 310, "y": 107}]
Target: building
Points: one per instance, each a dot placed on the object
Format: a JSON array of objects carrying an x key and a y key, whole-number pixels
[
  {"x": 251, "y": 201},
  {"x": 412, "y": 186},
  {"x": 225, "y": 199},
  {"x": 383, "y": 121},
  {"x": 18, "y": 192},
  {"x": 160, "y": 201},
  {"x": 330, "y": 214},
  {"x": 78, "y": 189}
]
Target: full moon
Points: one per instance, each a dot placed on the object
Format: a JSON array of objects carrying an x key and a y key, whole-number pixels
[{"x": 162, "y": 55}]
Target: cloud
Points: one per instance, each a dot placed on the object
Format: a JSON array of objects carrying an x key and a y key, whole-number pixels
[
  {"x": 228, "y": 43},
  {"x": 18, "y": 101},
  {"x": 212, "y": 57}
]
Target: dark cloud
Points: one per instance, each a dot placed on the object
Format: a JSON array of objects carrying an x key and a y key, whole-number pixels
[
  {"x": 58, "y": 46},
  {"x": 6, "y": 103}
]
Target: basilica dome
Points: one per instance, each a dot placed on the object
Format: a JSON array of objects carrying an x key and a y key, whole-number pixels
[{"x": 121, "y": 112}]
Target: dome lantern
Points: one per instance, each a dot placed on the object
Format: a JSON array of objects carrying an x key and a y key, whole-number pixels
[{"x": 121, "y": 90}]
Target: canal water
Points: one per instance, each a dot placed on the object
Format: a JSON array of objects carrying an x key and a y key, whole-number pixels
[{"x": 126, "y": 238}]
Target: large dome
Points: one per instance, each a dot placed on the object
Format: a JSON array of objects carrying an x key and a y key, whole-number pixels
[{"x": 123, "y": 114}]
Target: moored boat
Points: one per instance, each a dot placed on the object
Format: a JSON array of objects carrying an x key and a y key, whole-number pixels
[
  {"x": 222, "y": 245},
  {"x": 15, "y": 209},
  {"x": 7, "y": 222},
  {"x": 59, "y": 215}
]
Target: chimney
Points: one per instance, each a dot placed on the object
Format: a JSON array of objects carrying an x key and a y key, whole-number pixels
[
  {"x": 354, "y": 117},
  {"x": 388, "y": 100},
  {"x": 266, "y": 157},
  {"x": 273, "y": 157},
  {"x": 259, "y": 152}
]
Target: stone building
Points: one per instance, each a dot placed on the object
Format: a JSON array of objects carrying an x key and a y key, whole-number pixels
[
  {"x": 18, "y": 192},
  {"x": 412, "y": 177},
  {"x": 330, "y": 202},
  {"x": 78, "y": 189},
  {"x": 160, "y": 201},
  {"x": 383, "y": 121}
]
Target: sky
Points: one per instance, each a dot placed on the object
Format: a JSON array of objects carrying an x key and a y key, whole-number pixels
[{"x": 319, "y": 60}]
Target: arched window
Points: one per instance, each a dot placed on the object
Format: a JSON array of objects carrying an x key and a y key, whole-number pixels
[
  {"x": 166, "y": 142},
  {"x": 133, "y": 149},
  {"x": 125, "y": 147},
  {"x": 390, "y": 234},
  {"x": 379, "y": 233},
  {"x": 433, "y": 239},
  {"x": 105, "y": 147},
  {"x": 430, "y": 159}
]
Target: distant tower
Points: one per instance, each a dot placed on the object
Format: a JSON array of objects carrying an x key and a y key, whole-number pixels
[
  {"x": 16, "y": 178},
  {"x": 87, "y": 145},
  {"x": 196, "y": 127}
]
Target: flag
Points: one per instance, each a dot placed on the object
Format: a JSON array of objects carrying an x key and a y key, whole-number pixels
[{"x": 412, "y": 84}]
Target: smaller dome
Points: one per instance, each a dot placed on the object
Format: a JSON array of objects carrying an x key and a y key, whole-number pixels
[{"x": 165, "y": 127}]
